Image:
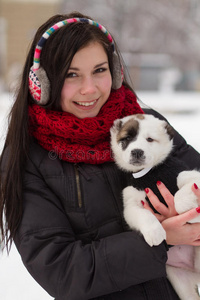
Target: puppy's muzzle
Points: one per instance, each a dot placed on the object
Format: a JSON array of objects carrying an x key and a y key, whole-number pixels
[{"x": 137, "y": 156}]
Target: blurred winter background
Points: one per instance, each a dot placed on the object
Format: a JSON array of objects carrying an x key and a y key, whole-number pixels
[{"x": 160, "y": 43}]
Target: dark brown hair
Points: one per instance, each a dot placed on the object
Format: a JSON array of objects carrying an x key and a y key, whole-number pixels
[{"x": 56, "y": 57}]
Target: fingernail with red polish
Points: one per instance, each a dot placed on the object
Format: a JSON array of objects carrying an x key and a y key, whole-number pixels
[
  {"x": 158, "y": 182},
  {"x": 198, "y": 209},
  {"x": 146, "y": 190},
  {"x": 142, "y": 202},
  {"x": 195, "y": 186}
]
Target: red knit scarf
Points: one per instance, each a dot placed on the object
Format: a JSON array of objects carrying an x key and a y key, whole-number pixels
[{"x": 81, "y": 140}]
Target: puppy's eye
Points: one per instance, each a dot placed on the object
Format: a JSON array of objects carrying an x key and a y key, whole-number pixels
[
  {"x": 150, "y": 140},
  {"x": 126, "y": 138}
]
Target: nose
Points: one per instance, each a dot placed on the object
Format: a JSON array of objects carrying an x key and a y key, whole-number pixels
[
  {"x": 137, "y": 153},
  {"x": 88, "y": 86}
]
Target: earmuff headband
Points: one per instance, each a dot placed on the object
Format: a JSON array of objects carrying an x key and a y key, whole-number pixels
[
  {"x": 39, "y": 85},
  {"x": 51, "y": 30}
]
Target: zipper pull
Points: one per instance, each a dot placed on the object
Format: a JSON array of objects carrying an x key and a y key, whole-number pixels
[{"x": 78, "y": 186}]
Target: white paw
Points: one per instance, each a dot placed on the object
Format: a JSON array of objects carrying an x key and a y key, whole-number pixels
[
  {"x": 186, "y": 177},
  {"x": 185, "y": 199},
  {"x": 154, "y": 234},
  {"x": 131, "y": 196}
]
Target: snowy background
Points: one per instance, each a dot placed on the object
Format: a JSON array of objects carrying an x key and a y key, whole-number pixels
[
  {"x": 183, "y": 112},
  {"x": 161, "y": 50}
]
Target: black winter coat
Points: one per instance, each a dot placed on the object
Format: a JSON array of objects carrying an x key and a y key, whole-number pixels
[{"x": 73, "y": 238}]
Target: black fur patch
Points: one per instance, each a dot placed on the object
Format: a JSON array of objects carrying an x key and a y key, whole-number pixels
[
  {"x": 170, "y": 131},
  {"x": 128, "y": 133}
]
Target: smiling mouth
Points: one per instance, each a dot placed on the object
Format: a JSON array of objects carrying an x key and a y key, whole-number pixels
[{"x": 86, "y": 104}]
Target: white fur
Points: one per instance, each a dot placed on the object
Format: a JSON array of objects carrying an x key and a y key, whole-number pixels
[
  {"x": 155, "y": 152},
  {"x": 184, "y": 280},
  {"x": 184, "y": 198},
  {"x": 140, "y": 219}
]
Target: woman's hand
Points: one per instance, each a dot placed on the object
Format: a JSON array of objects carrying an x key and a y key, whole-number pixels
[
  {"x": 179, "y": 232},
  {"x": 177, "y": 229},
  {"x": 164, "y": 212}
]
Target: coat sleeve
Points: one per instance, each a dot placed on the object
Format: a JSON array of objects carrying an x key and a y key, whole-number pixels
[
  {"x": 64, "y": 266},
  {"x": 182, "y": 150}
]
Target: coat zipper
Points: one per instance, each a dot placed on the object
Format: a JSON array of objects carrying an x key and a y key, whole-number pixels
[{"x": 78, "y": 185}]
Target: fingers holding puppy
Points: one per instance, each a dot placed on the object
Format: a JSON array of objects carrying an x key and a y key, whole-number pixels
[
  {"x": 162, "y": 209},
  {"x": 169, "y": 211},
  {"x": 196, "y": 191},
  {"x": 157, "y": 215},
  {"x": 180, "y": 232}
]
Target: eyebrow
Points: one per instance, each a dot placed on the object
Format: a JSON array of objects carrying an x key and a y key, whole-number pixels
[
  {"x": 97, "y": 66},
  {"x": 100, "y": 65}
]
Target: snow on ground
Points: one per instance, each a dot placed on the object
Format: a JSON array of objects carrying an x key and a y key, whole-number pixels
[
  {"x": 183, "y": 112},
  {"x": 15, "y": 281}
]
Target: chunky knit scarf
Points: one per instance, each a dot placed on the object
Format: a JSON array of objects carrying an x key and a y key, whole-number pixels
[{"x": 81, "y": 140}]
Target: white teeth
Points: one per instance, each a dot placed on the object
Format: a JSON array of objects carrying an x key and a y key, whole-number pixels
[{"x": 86, "y": 103}]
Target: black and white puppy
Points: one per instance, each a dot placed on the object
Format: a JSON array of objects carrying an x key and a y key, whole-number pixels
[{"x": 142, "y": 147}]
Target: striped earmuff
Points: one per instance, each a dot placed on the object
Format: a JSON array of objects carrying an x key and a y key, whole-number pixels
[{"x": 39, "y": 85}]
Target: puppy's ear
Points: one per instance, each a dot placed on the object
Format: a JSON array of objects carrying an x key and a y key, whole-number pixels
[
  {"x": 170, "y": 130},
  {"x": 117, "y": 125}
]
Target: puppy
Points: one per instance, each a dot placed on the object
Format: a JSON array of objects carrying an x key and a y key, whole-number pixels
[{"x": 142, "y": 146}]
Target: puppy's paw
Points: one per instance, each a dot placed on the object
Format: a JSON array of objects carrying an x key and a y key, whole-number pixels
[
  {"x": 187, "y": 177},
  {"x": 131, "y": 196},
  {"x": 154, "y": 234},
  {"x": 185, "y": 199}
]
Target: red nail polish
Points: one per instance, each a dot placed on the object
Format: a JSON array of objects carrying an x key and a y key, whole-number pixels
[
  {"x": 142, "y": 202},
  {"x": 158, "y": 182},
  {"x": 195, "y": 186},
  {"x": 198, "y": 209},
  {"x": 146, "y": 190}
]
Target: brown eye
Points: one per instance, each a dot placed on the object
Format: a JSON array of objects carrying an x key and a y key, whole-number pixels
[
  {"x": 100, "y": 70},
  {"x": 125, "y": 141},
  {"x": 150, "y": 140},
  {"x": 71, "y": 75},
  {"x": 128, "y": 138}
]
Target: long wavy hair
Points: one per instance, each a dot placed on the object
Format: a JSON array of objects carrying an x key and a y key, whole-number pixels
[{"x": 56, "y": 57}]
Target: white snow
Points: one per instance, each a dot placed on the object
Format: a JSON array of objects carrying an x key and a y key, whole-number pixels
[
  {"x": 183, "y": 112},
  {"x": 15, "y": 281}
]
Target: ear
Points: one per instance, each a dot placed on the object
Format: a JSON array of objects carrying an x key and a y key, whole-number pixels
[
  {"x": 117, "y": 125},
  {"x": 170, "y": 130}
]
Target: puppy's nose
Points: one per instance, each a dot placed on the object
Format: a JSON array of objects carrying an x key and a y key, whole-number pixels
[{"x": 137, "y": 153}]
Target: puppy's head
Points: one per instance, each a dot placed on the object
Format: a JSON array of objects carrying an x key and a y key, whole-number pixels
[{"x": 140, "y": 141}]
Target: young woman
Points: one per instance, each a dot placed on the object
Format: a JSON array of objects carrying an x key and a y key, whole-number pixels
[{"x": 61, "y": 190}]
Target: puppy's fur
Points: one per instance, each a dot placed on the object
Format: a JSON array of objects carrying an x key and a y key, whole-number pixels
[{"x": 142, "y": 146}]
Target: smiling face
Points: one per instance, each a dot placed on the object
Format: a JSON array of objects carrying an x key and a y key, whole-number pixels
[{"x": 88, "y": 82}]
